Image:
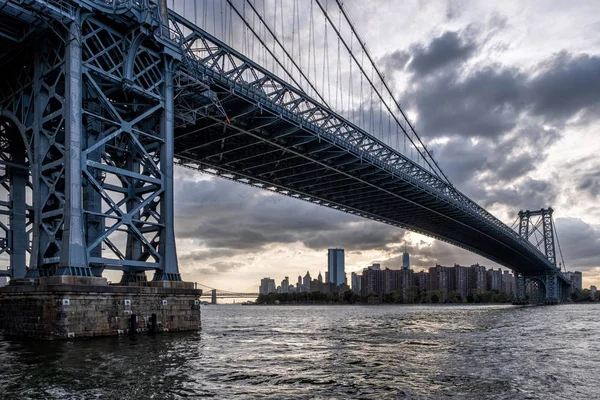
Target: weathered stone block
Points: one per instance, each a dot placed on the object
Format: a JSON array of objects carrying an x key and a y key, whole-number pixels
[{"x": 66, "y": 308}]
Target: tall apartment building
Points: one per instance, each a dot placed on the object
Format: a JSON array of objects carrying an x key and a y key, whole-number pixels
[
  {"x": 422, "y": 280},
  {"x": 439, "y": 278},
  {"x": 508, "y": 282},
  {"x": 478, "y": 278},
  {"x": 372, "y": 281},
  {"x": 494, "y": 279},
  {"x": 460, "y": 280},
  {"x": 386, "y": 281},
  {"x": 355, "y": 281},
  {"x": 576, "y": 279}
]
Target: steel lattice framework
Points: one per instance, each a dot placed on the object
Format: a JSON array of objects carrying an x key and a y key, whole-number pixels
[{"x": 107, "y": 98}]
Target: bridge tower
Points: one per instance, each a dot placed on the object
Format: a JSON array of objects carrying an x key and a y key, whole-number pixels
[
  {"x": 543, "y": 287},
  {"x": 87, "y": 143},
  {"x": 87, "y": 126}
]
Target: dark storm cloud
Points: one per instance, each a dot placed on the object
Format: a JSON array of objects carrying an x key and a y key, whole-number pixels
[
  {"x": 218, "y": 267},
  {"x": 584, "y": 173},
  {"x": 566, "y": 85},
  {"x": 207, "y": 254},
  {"x": 485, "y": 103},
  {"x": 497, "y": 120},
  {"x": 426, "y": 255},
  {"x": 580, "y": 243},
  {"x": 447, "y": 49},
  {"x": 234, "y": 219},
  {"x": 525, "y": 194}
]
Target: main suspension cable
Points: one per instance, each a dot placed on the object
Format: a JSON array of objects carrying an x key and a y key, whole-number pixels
[{"x": 363, "y": 46}]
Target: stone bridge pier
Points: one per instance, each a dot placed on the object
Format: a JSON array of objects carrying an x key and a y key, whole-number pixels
[{"x": 546, "y": 288}]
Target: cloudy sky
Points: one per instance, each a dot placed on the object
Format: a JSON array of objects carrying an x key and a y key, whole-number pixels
[{"x": 508, "y": 97}]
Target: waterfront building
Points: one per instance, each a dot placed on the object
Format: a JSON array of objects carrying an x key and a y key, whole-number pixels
[
  {"x": 459, "y": 280},
  {"x": 576, "y": 279},
  {"x": 508, "y": 282},
  {"x": 335, "y": 266},
  {"x": 306, "y": 282},
  {"x": 299, "y": 286},
  {"x": 355, "y": 281},
  {"x": 593, "y": 291},
  {"x": 285, "y": 285},
  {"x": 3, "y": 281},
  {"x": 372, "y": 281},
  {"x": 478, "y": 279},
  {"x": 316, "y": 286},
  {"x": 439, "y": 278},
  {"x": 422, "y": 280},
  {"x": 494, "y": 279},
  {"x": 378, "y": 281},
  {"x": 267, "y": 285},
  {"x": 320, "y": 277}
]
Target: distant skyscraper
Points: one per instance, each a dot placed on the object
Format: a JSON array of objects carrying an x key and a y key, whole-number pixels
[
  {"x": 299, "y": 286},
  {"x": 336, "y": 268},
  {"x": 355, "y": 280},
  {"x": 306, "y": 282},
  {"x": 285, "y": 285},
  {"x": 267, "y": 285},
  {"x": 320, "y": 277},
  {"x": 405, "y": 258}
]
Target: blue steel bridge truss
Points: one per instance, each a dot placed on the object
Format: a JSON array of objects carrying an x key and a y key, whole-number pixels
[
  {"x": 150, "y": 95},
  {"x": 255, "y": 128}
]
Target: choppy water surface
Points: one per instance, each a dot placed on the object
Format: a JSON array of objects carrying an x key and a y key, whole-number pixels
[{"x": 470, "y": 352}]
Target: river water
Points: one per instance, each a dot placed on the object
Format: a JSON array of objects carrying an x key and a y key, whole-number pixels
[{"x": 326, "y": 352}]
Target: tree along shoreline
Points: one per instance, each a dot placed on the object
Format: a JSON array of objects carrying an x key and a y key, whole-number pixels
[{"x": 412, "y": 296}]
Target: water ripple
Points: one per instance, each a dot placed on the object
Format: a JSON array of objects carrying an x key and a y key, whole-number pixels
[{"x": 326, "y": 352}]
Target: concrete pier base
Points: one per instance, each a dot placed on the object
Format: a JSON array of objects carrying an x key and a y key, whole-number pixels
[{"x": 63, "y": 307}]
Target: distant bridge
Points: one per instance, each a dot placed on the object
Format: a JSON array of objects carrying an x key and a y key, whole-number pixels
[{"x": 222, "y": 294}]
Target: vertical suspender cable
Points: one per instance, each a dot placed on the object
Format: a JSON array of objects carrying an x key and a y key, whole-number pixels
[
  {"x": 275, "y": 58},
  {"x": 363, "y": 45}
]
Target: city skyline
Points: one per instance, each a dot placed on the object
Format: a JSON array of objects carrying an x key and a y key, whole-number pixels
[{"x": 521, "y": 149}]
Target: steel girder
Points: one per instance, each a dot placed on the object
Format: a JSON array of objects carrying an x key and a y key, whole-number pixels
[
  {"x": 257, "y": 156},
  {"x": 93, "y": 101}
]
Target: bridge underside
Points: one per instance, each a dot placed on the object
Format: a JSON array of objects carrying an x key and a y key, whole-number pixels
[
  {"x": 100, "y": 98},
  {"x": 257, "y": 146}
]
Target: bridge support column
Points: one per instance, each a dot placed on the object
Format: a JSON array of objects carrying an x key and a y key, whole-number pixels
[
  {"x": 73, "y": 253},
  {"x": 520, "y": 297},
  {"x": 213, "y": 296},
  {"x": 553, "y": 289}
]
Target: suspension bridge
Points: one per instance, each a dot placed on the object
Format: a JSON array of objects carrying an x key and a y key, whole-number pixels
[{"x": 100, "y": 99}]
